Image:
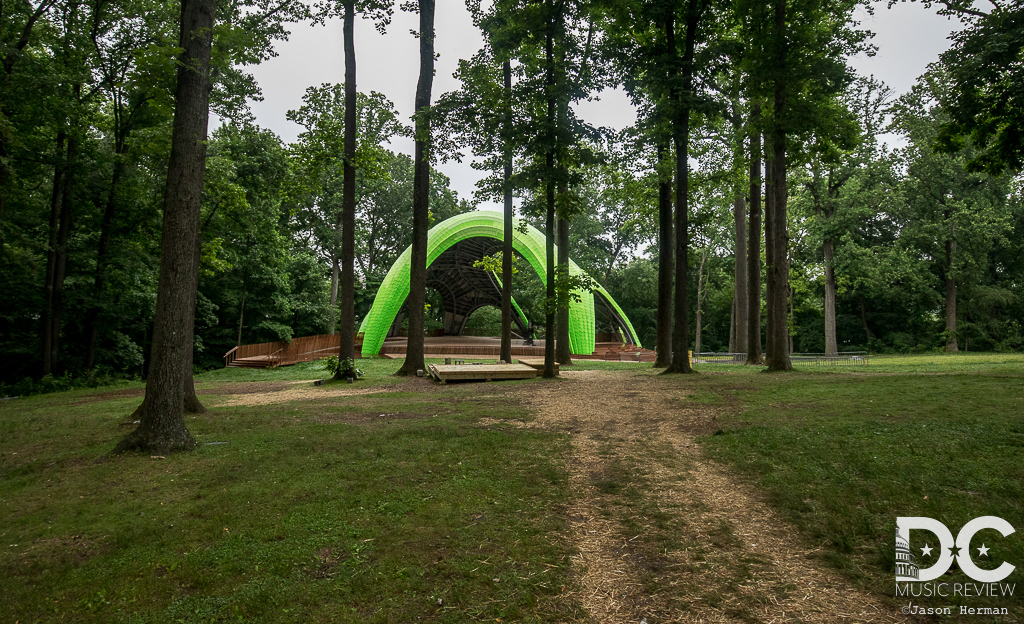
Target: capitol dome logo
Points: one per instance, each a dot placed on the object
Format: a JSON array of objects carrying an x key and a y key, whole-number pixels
[{"x": 906, "y": 565}]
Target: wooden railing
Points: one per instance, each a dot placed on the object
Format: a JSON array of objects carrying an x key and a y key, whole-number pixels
[{"x": 280, "y": 353}]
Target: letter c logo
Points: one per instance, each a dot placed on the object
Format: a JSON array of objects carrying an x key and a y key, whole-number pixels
[{"x": 963, "y": 541}]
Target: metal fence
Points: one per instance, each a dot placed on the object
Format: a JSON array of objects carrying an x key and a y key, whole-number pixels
[{"x": 846, "y": 358}]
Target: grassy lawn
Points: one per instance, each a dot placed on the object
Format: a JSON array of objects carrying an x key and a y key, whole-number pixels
[
  {"x": 367, "y": 508},
  {"x": 843, "y": 452},
  {"x": 424, "y": 504}
]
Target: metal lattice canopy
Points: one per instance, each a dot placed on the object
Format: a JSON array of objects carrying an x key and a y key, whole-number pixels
[{"x": 452, "y": 247}]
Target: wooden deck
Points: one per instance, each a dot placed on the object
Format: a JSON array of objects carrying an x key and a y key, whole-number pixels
[
  {"x": 480, "y": 372},
  {"x": 537, "y": 363},
  {"x": 308, "y": 348}
]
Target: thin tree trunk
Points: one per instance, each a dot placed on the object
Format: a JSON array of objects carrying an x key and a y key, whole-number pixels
[
  {"x": 563, "y": 349},
  {"x": 347, "y": 316},
  {"x": 663, "y": 356},
  {"x": 506, "y": 249},
  {"x": 831, "y": 344},
  {"x": 414, "y": 360},
  {"x": 769, "y": 241},
  {"x": 162, "y": 417},
  {"x": 738, "y": 327},
  {"x": 792, "y": 316},
  {"x": 951, "y": 342},
  {"x": 701, "y": 284},
  {"x": 864, "y": 322},
  {"x": 60, "y": 269},
  {"x": 51, "y": 254},
  {"x": 732, "y": 326},
  {"x": 754, "y": 242},
  {"x": 335, "y": 274},
  {"x": 241, "y": 315},
  {"x": 102, "y": 251}
]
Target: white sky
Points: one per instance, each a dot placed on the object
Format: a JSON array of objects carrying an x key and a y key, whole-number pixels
[{"x": 908, "y": 37}]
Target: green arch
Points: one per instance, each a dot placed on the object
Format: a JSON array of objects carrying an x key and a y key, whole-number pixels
[{"x": 529, "y": 244}]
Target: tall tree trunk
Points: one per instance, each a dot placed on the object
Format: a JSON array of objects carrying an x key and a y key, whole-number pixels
[
  {"x": 663, "y": 356},
  {"x": 241, "y": 315},
  {"x": 778, "y": 267},
  {"x": 951, "y": 342},
  {"x": 46, "y": 328},
  {"x": 102, "y": 251},
  {"x": 738, "y": 327},
  {"x": 347, "y": 316},
  {"x": 681, "y": 140},
  {"x": 769, "y": 239},
  {"x": 420, "y": 196},
  {"x": 753, "y": 328},
  {"x": 563, "y": 349},
  {"x": 831, "y": 344},
  {"x": 701, "y": 285},
  {"x": 335, "y": 275},
  {"x": 864, "y": 322},
  {"x": 506, "y": 249},
  {"x": 550, "y": 329},
  {"x": 162, "y": 417},
  {"x": 60, "y": 269},
  {"x": 792, "y": 316}
]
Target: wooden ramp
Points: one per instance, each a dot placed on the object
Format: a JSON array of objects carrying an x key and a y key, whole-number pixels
[
  {"x": 480, "y": 372},
  {"x": 537, "y": 363}
]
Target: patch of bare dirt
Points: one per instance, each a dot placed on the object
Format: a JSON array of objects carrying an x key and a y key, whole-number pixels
[{"x": 736, "y": 560}]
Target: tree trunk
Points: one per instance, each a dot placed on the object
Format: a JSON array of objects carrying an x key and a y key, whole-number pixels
[
  {"x": 420, "y": 196},
  {"x": 778, "y": 267},
  {"x": 102, "y": 251},
  {"x": 951, "y": 342},
  {"x": 241, "y": 316},
  {"x": 335, "y": 274},
  {"x": 732, "y": 326},
  {"x": 347, "y": 316},
  {"x": 64, "y": 233},
  {"x": 864, "y": 322},
  {"x": 563, "y": 349},
  {"x": 550, "y": 320},
  {"x": 162, "y": 418},
  {"x": 46, "y": 328},
  {"x": 663, "y": 356},
  {"x": 681, "y": 139},
  {"x": 753, "y": 328},
  {"x": 506, "y": 249},
  {"x": 738, "y": 327},
  {"x": 701, "y": 285},
  {"x": 792, "y": 317},
  {"x": 831, "y": 344},
  {"x": 769, "y": 240}
]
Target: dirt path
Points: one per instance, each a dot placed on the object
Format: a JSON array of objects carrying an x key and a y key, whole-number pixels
[{"x": 666, "y": 535}]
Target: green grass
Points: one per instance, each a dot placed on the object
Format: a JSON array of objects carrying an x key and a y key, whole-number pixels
[
  {"x": 842, "y": 454},
  {"x": 375, "y": 508}
]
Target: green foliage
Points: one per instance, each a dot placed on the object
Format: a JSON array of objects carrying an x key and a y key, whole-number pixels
[{"x": 343, "y": 369}]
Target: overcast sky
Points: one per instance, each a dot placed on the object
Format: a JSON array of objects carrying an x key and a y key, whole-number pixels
[{"x": 908, "y": 37}]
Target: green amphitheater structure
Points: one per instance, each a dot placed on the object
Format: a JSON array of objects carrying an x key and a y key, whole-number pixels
[{"x": 452, "y": 248}]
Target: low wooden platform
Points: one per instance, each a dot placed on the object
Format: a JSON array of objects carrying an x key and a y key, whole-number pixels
[
  {"x": 537, "y": 363},
  {"x": 480, "y": 372}
]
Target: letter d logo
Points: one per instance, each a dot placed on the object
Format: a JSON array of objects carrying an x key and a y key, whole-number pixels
[{"x": 903, "y": 528}]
